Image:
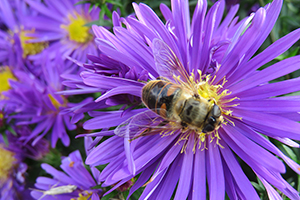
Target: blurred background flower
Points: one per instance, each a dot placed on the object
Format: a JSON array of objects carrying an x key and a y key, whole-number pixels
[
  {"x": 65, "y": 26},
  {"x": 33, "y": 101},
  {"x": 74, "y": 176},
  {"x": 12, "y": 175},
  {"x": 14, "y": 41}
]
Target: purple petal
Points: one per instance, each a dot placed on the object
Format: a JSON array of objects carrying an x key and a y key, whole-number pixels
[
  {"x": 239, "y": 176},
  {"x": 181, "y": 20},
  {"x": 129, "y": 156},
  {"x": 272, "y": 193},
  {"x": 270, "y": 90},
  {"x": 186, "y": 172},
  {"x": 145, "y": 175},
  {"x": 108, "y": 119},
  {"x": 107, "y": 149},
  {"x": 168, "y": 159},
  {"x": 216, "y": 182},
  {"x": 275, "y": 71},
  {"x": 132, "y": 90},
  {"x": 57, "y": 174},
  {"x": 270, "y": 105},
  {"x": 258, "y": 153},
  {"x": 167, "y": 185},
  {"x": 44, "y": 10},
  {"x": 147, "y": 15},
  {"x": 208, "y": 32},
  {"x": 199, "y": 179},
  {"x": 272, "y": 121},
  {"x": 197, "y": 27},
  {"x": 242, "y": 46},
  {"x": 274, "y": 50}
]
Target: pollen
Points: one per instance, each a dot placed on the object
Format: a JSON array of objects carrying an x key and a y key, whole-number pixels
[
  {"x": 5, "y": 76},
  {"x": 214, "y": 93},
  {"x": 31, "y": 48},
  {"x": 7, "y": 162},
  {"x": 56, "y": 103},
  {"x": 85, "y": 196},
  {"x": 77, "y": 31}
]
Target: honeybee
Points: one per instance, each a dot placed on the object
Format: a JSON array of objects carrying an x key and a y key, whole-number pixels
[
  {"x": 176, "y": 103},
  {"x": 180, "y": 104}
]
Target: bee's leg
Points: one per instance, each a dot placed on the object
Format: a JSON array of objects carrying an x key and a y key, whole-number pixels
[
  {"x": 163, "y": 79},
  {"x": 197, "y": 96},
  {"x": 184, "y": 126},
  {"x": 163, "y": 123}
]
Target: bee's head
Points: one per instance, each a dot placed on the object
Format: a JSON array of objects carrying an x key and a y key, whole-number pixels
[{"x": 213, "y": 120}]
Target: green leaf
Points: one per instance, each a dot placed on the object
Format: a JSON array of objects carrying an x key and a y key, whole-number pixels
[
  {"x": 106, "y": 11},
  {"x": 110, "y": 195},
  {"x": 4, "y": 136},
  {"x": 114, "y": 2},
  {"x": 82, "y": 2},
  {"x": 289, "y": 152},
  {"x": 12, "y": 130},
  {"x": 99, "y": 23},
  {"x": 96, "y": 187}
]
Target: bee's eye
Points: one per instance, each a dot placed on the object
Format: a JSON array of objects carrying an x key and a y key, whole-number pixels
[
  {"x": 216, "y": 111},
  {"x": 208, "y": 128},
  {"x": 212, "y": 120}
]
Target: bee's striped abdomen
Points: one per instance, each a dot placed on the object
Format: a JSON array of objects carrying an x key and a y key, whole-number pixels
[{"x": 158, "y": 96}]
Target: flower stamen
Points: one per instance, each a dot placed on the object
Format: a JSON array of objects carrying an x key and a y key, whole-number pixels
[
  {"x": 214, "y": 94},
  {"x": 7, "y": 161},
  {"x": 5, "y": 76},
  {"x": 76, "y": 29},
  {"x": 31, "y": 48}
]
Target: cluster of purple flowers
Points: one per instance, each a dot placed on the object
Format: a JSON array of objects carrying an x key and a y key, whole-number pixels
[
  {"x": 37, "y": 38},
  {"x": 48, "y": 55}
]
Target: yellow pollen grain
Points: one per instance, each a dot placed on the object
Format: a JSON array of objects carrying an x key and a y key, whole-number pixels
[
  {"x": 71, "y": 164},
  {"x": 76, "y": 29},
  {"x": 83, "y": 197},
  {"x": 7, "y": 161},
  {"x": 5, "y": 76},
  {"x": 31, "y": 48}
]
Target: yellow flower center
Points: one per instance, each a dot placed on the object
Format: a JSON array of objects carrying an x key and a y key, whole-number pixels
[
  {"x": 31, "y": 48},
  {"x": 84, "y": 196},
  {"x": 7, "y": 161},
  {"x": 214, "y": 94},
  {"x": 5, "y": 75},
  {"x": 77, "y": 30}
]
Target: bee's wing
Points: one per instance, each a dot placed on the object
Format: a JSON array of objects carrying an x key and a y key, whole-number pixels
[
  {"x": 142, "y": 124},
  {"x": 166, "y": 62}
]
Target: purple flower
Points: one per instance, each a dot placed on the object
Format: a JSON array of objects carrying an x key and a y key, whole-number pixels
[
  {"x": 13, "y": 38},
  {"x": 214, "y": 59},
  {"x": 74, "y": 182},
  {"x": 12, "y": 170},
  {"x": 17, "y": 142},
  {"x": 63, "y": 25},
  {"x": 34, "y": 100}
]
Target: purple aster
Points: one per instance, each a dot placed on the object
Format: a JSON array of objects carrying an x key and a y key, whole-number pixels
[
  {"x": 17, "y": 142},
  {"x": 63, "y": 25},
  {"x": 33, "y": 100},
  {"x": 12, "y": 170},
  {"x": 75, "y": 182},
  {"x": 218, "y": 57},
  {"x": 13, "y": 38}
]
